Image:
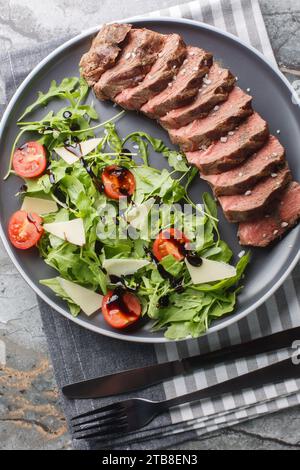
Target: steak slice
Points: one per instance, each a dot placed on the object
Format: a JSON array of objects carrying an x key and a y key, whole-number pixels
[
  {"x": 201, "y": 132},
  {"x": 185, "y": 86},
  {"x": 263, "y": 231},
  {"x": 255, "y": 202},
  {"x": 104, "y": 51},
  {"x": 218, "y": 84},
  {"x": 222, "y": 156},
  {"x": 259, "y": 165},
  {"x": 162, "y": 72},
  {"x": 135, "y": 61}
]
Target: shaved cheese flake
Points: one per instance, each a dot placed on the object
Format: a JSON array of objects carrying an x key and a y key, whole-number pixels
[
  {"x": 71, "y": 231},
  {"x": 38, "y": 205},
  {"x": 89, "y": 145},
  {"x": 124, "y": 267},
  {"x": 210, "y": 271},
  {"x": 88, "y": 300}
]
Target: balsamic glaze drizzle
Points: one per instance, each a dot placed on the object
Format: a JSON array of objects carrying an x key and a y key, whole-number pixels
[
  {"x": 67, "y": 114},
  {"x": 194, "y": 259},
  {"x": 52, "y": 178},
  {"x": 117, "y": 300},
  {"x": 74, "y": 148},
  {"x": 90, "y": 172},
  {"x": 127, "y": 152},
  {"x": 23, "y": 188},
  {"x": 33, "y": 221}
]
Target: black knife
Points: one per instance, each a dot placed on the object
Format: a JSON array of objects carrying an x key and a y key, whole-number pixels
[{"x": 135, "y": 379}]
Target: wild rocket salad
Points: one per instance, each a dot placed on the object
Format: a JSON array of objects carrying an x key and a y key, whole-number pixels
[{"x": 125, "y": 238}]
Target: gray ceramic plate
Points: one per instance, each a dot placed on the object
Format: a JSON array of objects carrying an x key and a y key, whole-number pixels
[{"x": 272, "y": 99}]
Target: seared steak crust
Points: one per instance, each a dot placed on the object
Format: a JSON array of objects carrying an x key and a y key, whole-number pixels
[
  {"x": 104, "y": 51},
  {"x": 218, "y": 84},
  {"x": 255, "y": 202},
  {"x": 135, "y": 61},
  {"x": 263, "y": 231},
  {"x": 259, "y": 165},
  {"x": 222, "y": 156},
  {"x": 162, "y": 72},
  {"x": 185, "y": 86},
  {"x": 202, "y": 132}
]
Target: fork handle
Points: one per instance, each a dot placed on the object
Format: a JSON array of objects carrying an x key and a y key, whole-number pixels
[{"x": 282, "y": 370}]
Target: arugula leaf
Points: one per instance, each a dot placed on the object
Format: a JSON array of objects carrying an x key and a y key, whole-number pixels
[
  {"x": 113, "y": 139},
  {"x": 82, "y": 91},
  {"x": 211, "y": 209},
  {"x": 35, "y": 185},
  {"x": 178, "y": 331},
  {"x": 157, "y": 144},
  {"x": 171, "y": 265},
  {"x": 176, "y": 160},
  {"x": 55, "y": 91},
  {"x": 222, "y": 252}
]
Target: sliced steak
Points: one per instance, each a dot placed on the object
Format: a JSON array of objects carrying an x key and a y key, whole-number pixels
[
  {"x": 201, "y": 132},
  {"x": 265, "y": 230},
  {"x": 183, "y": 89},
  {"x": 215, "y": 89},
  {"x": 104, "y": 51},
  {"x": 222, "y": 156},
  {"x": 259, "y": 165},
  {"x": 162, "y": 72},
  {"x": 255, "y": 202},
  {"x": 135, "y": 61}
]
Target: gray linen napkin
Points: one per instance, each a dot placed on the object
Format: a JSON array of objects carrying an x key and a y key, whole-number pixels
[{"x": 78, "y": 354}]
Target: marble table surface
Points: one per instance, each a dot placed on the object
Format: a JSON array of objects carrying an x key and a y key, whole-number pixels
[{"x": 30, "y": 413}]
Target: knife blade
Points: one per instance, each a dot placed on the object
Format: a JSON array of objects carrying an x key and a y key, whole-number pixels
[{"x": 136, "y": 379}]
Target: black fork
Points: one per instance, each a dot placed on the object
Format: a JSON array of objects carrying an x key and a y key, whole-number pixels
[{"x": 133, "y": 414}]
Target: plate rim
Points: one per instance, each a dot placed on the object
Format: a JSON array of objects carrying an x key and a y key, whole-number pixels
[{"x": 89, "y": 32}]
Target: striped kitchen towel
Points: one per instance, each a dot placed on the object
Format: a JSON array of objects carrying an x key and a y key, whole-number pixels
[{"x": 78, "y": 354}]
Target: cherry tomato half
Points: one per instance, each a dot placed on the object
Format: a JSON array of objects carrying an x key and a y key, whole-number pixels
[
  {"x": 25, "y": 229},
  {"x": 170, "y": 242},
  {"x": 118, "y": 182},
  {"x": 121, "y": 310},
  {"x": 29, "y": 161}
]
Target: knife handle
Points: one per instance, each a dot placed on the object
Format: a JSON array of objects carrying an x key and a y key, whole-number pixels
[
  {"x": 275, "y": 373},
  {"x": 274, "y": 342}
]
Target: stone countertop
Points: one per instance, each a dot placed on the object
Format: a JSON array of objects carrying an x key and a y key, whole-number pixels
[{"x": 30, "y": 413}]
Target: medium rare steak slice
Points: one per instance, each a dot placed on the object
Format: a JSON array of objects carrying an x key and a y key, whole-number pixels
[
  {"x": 265, "y": 230},
  {"x": 135, "y": 61},
  {"x": 261, "y": 164},
  {"x": 218, "y": 84},
  {"x": 104, "y": 51},
  {"x": 162, "y": 72},
  {"x": 222, "y": 156},
  {"x": 201, "y": 132},
  {"x": 185, "y": 86},
  {"x": 255, "y": 202}
]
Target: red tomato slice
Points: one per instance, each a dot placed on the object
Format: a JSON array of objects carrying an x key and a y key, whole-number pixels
[
  {"x": 25, "y": 229},
  {"x": 120, "y": 314},
  {"x": 170, "y": 242},
  {"x": 118, "y": 182},
  {"x": 29, "y": 161}
]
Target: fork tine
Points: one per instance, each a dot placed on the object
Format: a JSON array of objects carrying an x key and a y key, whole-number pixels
[
  {"x": 100, "y": 421},
  {"x": 106, "y": 432},
  {"x": 97, "y": 411},
  {"x": 112, "y": 422}
]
